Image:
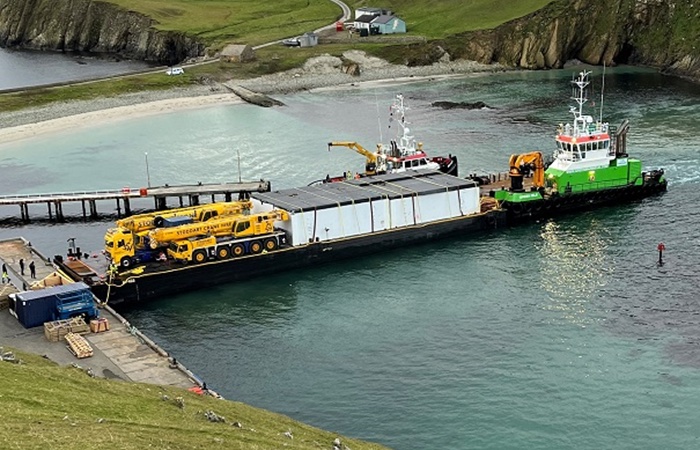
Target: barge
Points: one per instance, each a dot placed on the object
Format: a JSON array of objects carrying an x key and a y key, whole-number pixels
[{"x": 325, "y": 223}]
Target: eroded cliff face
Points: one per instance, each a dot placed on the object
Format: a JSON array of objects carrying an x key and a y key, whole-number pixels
[
  {"x": 657, "y": 33},
  {"x": 90, "y": 26}
]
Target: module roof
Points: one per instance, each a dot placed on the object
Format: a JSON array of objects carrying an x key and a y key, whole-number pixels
[{"x": 361, "y": 190}]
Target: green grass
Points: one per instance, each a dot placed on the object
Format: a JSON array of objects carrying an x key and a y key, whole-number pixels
[
  {"x": 218, "y": 22},
  {"x": 442, "y": 18},
  {"x": 91, "y": 90},
  {"x": 45, "y": 406}
]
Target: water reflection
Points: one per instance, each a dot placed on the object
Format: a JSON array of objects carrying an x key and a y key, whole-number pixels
[{"x": 574, "y": 265}]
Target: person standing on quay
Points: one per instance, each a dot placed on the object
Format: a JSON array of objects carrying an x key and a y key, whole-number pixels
[
  {"x": 5, "y": 277},
  {"x": 21, "y": 265},
  {"x": 32, "y": 269}
]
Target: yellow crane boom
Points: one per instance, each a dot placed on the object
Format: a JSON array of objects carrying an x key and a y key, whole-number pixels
[
  {"x": 200, "y": 213},
  {"x": 370, "y": 166}
]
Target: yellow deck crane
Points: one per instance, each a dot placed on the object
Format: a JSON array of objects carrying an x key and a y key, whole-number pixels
[
  {"x": 523, "y": 165},
  {"x": 372, "y": 158}
]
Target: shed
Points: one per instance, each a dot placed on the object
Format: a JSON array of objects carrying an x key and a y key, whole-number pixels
[
  {"x": 237, "y": 53},
  {"x": 363, "y": 22},
  {"x": 387, "y": 24},
  {"x": 308, "y": 40}
]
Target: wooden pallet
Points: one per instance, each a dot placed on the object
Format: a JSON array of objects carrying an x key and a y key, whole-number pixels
[
  {"x": 78, "y": 346},
  {"x": 56, "y": 330}
]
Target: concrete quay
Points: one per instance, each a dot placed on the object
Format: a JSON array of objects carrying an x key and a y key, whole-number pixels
[{"x": 122, "y": 353}]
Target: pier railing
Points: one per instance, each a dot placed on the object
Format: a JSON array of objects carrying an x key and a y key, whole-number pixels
[
  {"x": 160, "y": 194},
  {"x": 11, "y": 199}
]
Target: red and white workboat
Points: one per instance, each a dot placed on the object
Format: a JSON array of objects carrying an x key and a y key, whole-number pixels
[{"x": 401, "y": 154}]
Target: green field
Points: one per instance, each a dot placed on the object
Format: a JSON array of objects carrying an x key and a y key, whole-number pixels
[
  {"x": 442, "y": 18},
  {"x": 254, "y": 22},
  {"x": 218, "y": 22},
  {"x": 49, "y": 407}
]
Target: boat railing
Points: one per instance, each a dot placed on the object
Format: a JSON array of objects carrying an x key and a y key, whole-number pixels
[
  {"x": 60, "y": 195},
  {"x": 594, "y": 186}
]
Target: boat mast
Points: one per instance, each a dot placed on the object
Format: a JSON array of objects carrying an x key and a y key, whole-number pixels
[
  {"x": 405, "y": 140},
  {"x": 602, "y": 90},
  {"x": 580, "y": 98}
]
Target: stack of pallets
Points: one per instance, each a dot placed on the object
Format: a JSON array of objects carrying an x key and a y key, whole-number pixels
[
  {"x": 57, "y": 329},
  {"x": 78, "y": 346}
]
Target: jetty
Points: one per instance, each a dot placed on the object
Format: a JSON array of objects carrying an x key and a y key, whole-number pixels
[
  {"x": 119, "y": 352},
  {"x": 124, "y": 196}
]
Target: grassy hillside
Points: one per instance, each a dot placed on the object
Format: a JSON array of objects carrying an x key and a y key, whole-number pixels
[
  {"x": 256, "y": 22},
  {"x": 49, "y": 407},
  {"x": 442, "y": 18},
  {"x": 237, "y": 21}
]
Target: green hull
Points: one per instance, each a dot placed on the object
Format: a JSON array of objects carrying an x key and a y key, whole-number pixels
[{"x": 621, "y": 172}]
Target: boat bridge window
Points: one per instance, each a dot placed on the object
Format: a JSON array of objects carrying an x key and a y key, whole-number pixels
[{"x": 423, "y": 162}]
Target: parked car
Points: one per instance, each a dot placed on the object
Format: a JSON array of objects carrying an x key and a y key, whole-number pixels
[
  {"x": 293, "y": 42},
  {"x": 175, "y": 71}
]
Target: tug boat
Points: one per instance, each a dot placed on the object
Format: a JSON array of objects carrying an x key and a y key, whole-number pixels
[
  {"x": 399, "y": 155},
  {"x": 590, "y": 167}
]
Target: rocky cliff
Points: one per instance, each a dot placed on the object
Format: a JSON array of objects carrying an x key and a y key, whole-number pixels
[
  {"x": 658, "y": 33},
  {"x": 90, "y": 26}
]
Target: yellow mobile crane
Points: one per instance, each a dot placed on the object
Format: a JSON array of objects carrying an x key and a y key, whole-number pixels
[
  {"x": 372, "y": 158},
  {"x": 134, "y": 240},
  {"x": 251, "y": 234}
]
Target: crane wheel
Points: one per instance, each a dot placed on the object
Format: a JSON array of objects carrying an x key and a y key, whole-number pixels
[
  {"x": 270, "y": 244},
  {"x": 125, "y": 262},
  {"x": 238, "y": 250},
  {"x": 199, "y": 257},
  {"x": 223, "y": 253},
  {"x": 158, "y": 221},
  {"x": 256, "y": 247}
]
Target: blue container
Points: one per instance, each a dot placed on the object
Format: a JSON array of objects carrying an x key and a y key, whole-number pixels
[{"x": 33, "y": 308}]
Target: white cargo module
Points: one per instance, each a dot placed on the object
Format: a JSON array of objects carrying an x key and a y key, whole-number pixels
[{"x": 370, "y": 205}]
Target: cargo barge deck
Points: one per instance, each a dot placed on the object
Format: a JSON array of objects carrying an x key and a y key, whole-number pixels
[{"x": 327, "y": 222}]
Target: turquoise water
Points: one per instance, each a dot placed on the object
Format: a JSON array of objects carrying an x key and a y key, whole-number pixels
[{"x": 559, "y": 334}]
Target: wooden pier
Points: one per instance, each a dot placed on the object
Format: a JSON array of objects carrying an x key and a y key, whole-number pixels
[{"x": 124, "y": 196}]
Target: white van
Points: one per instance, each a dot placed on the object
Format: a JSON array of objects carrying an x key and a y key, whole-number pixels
[{"x": 175, "y": 71}]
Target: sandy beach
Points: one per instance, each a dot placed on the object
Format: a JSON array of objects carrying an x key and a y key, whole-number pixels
[{"x": 315, "y": 75}]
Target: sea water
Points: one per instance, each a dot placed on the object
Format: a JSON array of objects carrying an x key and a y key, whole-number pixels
[
  {"x": 563, "y": 333},
  {"x": 25, "y": 68}
]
